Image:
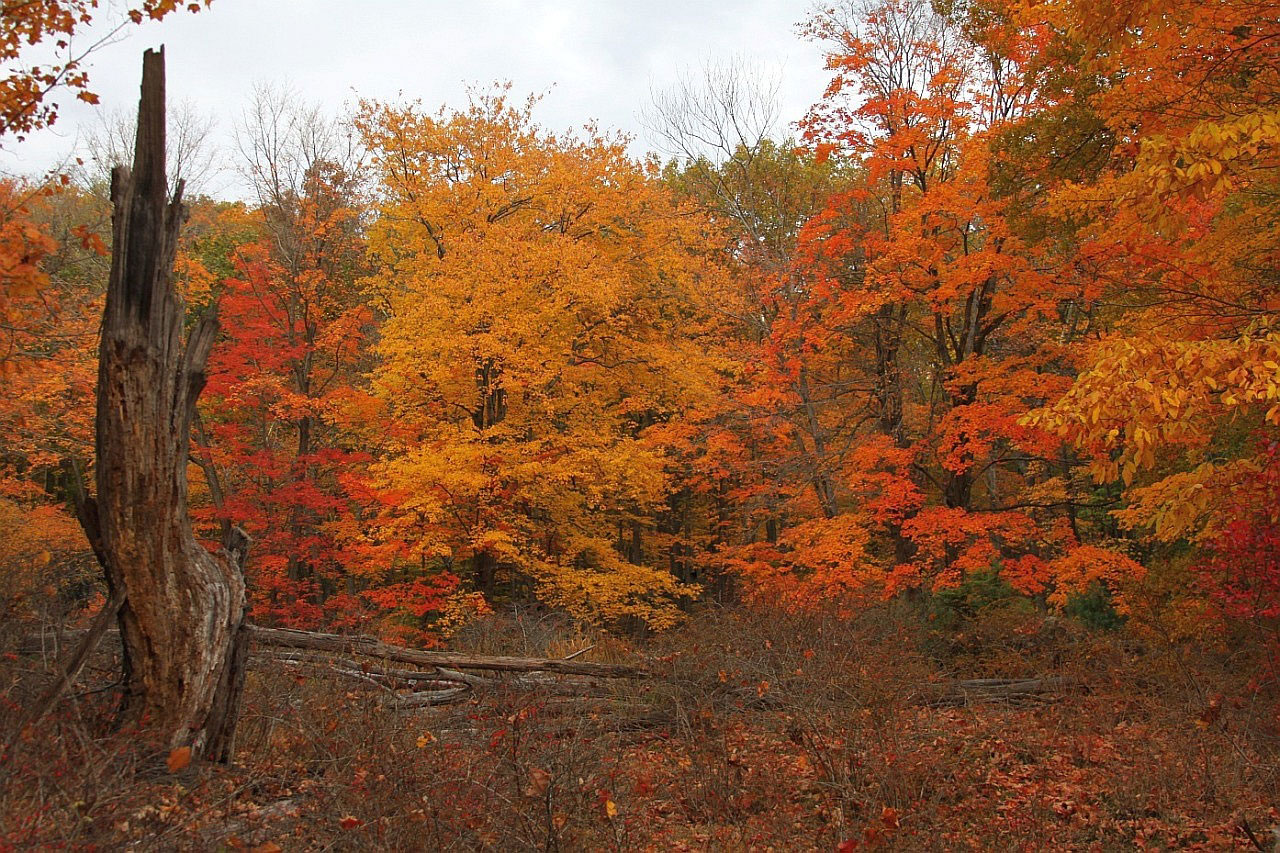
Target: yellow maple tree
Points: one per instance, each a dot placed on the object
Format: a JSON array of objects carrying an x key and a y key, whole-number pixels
[{"x": 541, "y": 325}]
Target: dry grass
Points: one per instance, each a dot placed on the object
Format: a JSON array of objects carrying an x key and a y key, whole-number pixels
[{"x": 761, "y": 730}]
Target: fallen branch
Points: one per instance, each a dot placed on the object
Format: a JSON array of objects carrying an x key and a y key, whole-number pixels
[
  {"x": 977, "y": 690},
  {"x": 580, "y": 652},
  {"x": 429, "y": 698}
]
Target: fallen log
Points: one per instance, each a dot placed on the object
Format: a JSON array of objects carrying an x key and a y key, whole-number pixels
[
  {"x": 444, "y": 684},
  {"x": 438, "y": 686},
  {"x": 350, "y": 667},
  {"x": 289, "y": 638}
]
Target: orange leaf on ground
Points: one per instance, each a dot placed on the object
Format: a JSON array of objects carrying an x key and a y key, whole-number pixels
[{"x": 178, "y": 759}]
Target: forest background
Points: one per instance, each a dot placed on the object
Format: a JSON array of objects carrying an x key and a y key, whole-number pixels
[
  {"x": 997, "y": 326},
  {"x": 1001, "y": 315}
]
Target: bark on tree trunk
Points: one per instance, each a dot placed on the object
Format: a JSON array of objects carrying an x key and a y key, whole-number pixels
[{"x": 181, "y": 621}]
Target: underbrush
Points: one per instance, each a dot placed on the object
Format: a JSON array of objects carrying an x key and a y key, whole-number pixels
[{"x": 759, "y": 730}]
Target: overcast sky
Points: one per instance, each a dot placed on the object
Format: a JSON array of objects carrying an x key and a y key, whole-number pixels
[{"x": 596, "y": 59}]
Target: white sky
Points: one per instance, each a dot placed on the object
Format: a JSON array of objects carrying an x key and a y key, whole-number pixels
[{"x": 596, "y": 60}]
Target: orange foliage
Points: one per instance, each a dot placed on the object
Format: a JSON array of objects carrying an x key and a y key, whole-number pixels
[
  {"x": 540, "y": 342},
  {"x": 24, "y": 92}
]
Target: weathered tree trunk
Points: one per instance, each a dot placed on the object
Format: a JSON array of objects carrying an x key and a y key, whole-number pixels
[{"x": 180, "y": 624}]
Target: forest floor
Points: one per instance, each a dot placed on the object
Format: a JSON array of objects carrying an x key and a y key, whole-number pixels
[{"x": 758, "y": 731}]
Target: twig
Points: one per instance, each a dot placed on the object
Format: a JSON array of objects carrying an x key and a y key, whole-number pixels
[{"x": 580, "y": 652}]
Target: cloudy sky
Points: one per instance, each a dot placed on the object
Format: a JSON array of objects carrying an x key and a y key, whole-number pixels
[{"x": 596, "y": 59}]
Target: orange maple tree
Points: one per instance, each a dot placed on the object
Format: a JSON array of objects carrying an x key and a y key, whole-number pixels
[{"x": 932, "y": 318}]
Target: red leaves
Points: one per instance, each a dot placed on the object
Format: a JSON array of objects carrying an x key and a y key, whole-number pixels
[
  {"x": 276, "y": 386},
  {"x": 873, "y": 835},
  {"x": 90, "y": 240}
]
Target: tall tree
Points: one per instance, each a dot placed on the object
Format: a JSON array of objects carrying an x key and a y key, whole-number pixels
[
  {"x": 541, "y": 325},
  {"x": 775, "y": 443},
  {"x": 918, "y": 321},
  {"x": 297, "y": 322}
]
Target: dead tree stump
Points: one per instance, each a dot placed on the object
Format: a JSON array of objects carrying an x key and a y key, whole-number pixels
[{"x": 180, "y": 624}]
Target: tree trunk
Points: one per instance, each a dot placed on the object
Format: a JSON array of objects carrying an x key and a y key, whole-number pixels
[
  {"x": 180, "y": 625},
  {"x": 486, "y": 569}
]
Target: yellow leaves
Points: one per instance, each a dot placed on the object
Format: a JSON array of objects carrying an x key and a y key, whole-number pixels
[
  {"x": 541, "y": 313},
  {"x": 1143, "y": 395},
  {"x": 498, "y": 544},
  {"x": 460, "y": 609},
  {"x": 609, "y": 590},
  {"x": 1151, "y": 399},
  {"x": 1187, "y": 504}
]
